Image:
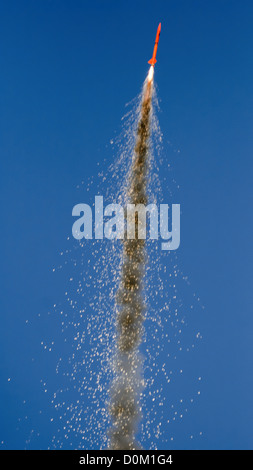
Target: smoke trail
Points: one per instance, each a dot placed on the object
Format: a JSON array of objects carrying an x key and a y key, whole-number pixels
[{"x": 128, "y": 382}]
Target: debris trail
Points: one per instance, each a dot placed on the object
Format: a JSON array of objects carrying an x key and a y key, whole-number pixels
[{"x": 125, "y": 409}]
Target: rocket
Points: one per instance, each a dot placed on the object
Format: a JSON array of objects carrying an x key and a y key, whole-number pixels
[{"x": 153, "y": 60}]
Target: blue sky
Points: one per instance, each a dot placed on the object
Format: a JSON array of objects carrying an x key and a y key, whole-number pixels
[{"x": 67, "y": 71}]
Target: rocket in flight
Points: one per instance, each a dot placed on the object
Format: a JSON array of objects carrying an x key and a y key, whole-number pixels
[{"x": 153, "y": 60}]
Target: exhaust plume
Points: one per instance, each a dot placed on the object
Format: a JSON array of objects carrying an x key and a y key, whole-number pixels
[{"x": 128, "y": 383}]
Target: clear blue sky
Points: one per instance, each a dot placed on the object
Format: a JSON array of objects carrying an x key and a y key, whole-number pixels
[{"x": 67, "y": 70}]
